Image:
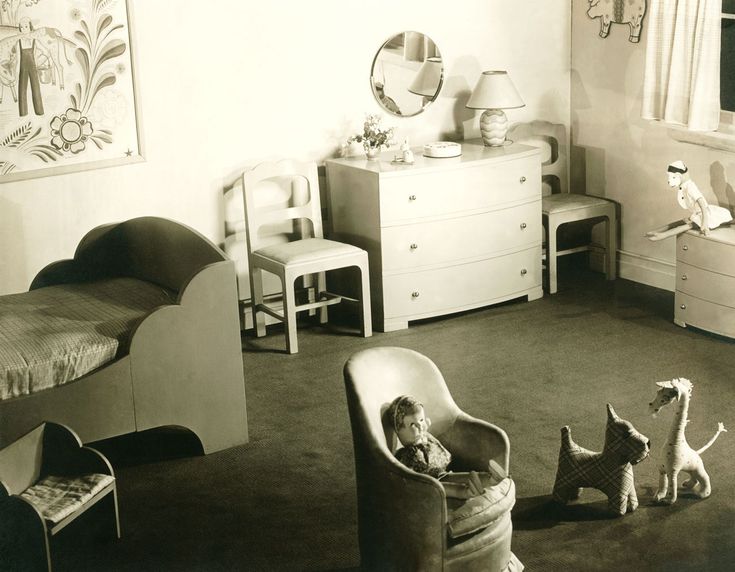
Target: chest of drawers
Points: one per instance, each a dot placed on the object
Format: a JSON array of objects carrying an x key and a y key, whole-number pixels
[
  {"x": 442, "y": 235},
  {"x": 705, "y": 281}
]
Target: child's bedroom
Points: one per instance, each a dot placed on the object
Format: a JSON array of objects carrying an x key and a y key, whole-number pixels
[{"x": 340, "y": 286}]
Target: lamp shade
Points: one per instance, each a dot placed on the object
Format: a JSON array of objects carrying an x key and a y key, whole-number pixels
[
  {"x": 428, "y": 79},
  {"x": 495, "y": 90}
]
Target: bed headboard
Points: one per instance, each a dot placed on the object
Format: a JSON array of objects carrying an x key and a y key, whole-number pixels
[{"x": 155, "y": 249}]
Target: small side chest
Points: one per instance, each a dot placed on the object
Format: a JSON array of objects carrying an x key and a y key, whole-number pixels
[{"x": 705, "y": 281}]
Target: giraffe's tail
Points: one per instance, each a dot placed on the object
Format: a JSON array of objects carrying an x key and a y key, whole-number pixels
[{"x": 720, "y": 429}]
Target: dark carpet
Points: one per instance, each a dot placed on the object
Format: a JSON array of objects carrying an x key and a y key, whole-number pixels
[{"x": 286, "y": 500}]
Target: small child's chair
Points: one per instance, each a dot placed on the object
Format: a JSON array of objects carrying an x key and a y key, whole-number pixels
[
  {"x": 47, "y": 480},
  {"x": 559, "y": 206},
  {"x": 404, "y": 519}
]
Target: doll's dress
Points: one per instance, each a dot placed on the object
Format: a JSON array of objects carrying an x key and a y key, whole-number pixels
[
  {"x": 430, "y": 458},
  {"x": 688, "y": 194}
]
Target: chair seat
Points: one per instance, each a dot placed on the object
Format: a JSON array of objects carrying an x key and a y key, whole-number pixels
[
  {"x": 306, "y": 250},
  {"x": 58, "y": 497},
  {"x": 564, "y": 202}
]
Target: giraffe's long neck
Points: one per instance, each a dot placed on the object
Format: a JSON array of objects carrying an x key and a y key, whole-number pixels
[{"x": 679, "y": 423}]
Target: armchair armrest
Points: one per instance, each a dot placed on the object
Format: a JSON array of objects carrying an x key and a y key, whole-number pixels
[
  {"x": 473, "y": 442},
  {"x": 59, "y": 272},
  {"x": 401, "y": 508}
]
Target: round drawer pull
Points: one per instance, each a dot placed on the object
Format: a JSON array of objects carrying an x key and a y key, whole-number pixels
[
  {"x": 412, "y": 197},
  {"x": 683, "y": 306},
  {"x": 524, "y": 271},
  {"x": 683, "y": 276},
  {"x": 523, "y": 225},
  {"x": 523, "y": 180},
  {"x": 414, "y": 246},
  {"x": 685, "y": 247},
  {"x": 414, "y": 295}
]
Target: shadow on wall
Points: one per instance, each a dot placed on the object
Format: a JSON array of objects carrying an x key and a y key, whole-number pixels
[
  {"x": 457, "y": 87},
  {"x": 723, "y": 190},
  {"x": 13, "y": 261}
]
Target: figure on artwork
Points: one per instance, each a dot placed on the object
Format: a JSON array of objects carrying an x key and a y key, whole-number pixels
[
  {"x": 25, "y": 53},
  {"x": 703, "y": 216}
]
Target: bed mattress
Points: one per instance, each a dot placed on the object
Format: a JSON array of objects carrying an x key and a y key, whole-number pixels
[{"x": 56, "y": 334}]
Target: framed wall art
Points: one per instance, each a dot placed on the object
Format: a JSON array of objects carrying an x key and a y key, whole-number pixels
[{"x": 67, "y": 89}]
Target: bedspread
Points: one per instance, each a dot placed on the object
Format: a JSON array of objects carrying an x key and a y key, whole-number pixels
[{"x": 53, "y": 335}]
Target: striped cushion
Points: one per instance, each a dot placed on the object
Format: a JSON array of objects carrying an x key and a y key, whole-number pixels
[
  {"x": 56, "y": 334},
  {"x": 58, "y": 497}
]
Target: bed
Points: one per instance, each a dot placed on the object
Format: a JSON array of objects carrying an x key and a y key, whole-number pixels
[{"x": 139, "y": 330}]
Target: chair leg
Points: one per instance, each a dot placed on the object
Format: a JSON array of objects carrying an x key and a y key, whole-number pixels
[
  {"x": 256, "y": 295},
  {"x": 612, "y": 246},
  {"x": 321, "y": 282},
  {"x": 116, "y": 514},
  {"x": 289, "y": 313},
  {"x": 551, "y": 255},
  {"x": 365, "y": 310}
]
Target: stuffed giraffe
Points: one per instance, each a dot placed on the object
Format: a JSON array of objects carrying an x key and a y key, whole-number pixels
[{"x": 677, "y": 454}]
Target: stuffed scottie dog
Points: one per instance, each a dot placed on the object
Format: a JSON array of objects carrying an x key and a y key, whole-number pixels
[{"x": 609, "y": 471}]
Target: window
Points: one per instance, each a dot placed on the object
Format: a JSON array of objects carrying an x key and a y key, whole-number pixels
[{"x": 727, "y": 57}]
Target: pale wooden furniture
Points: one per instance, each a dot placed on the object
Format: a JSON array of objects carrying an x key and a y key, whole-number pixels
[
  {"x": 404, "y": 519},
  {"x": 561, "y": 207},
  {"x": 308, "y": 254},
  {"x": 705, "y": 280},
  {"x": 184, "y": 359},
  {"x": 48, "y": 480},
  {"x": 443, "y": 235}
]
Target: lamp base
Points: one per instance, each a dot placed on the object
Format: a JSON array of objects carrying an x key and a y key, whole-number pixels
[{"x": 493, "y": 127}]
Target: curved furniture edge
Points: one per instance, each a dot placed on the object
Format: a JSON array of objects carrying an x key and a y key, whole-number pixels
[{"x": 195, "y": 379}]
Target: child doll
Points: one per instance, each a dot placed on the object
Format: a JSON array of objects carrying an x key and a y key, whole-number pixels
[
  {"x": 423, "y": 452},
  {"x": 703, "y": 216}
]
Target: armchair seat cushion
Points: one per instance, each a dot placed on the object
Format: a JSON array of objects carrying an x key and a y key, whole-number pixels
[
  {"x": 468, "y": 516},
  {"x": 57, "y": 497}
]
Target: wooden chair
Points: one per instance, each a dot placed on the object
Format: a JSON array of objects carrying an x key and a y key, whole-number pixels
[
  {"x": 302, "y": 253},
  {"x": 560, "y": 206},
  {"x": 404, "y": 519},
  {"x": 47, "y": 480}
]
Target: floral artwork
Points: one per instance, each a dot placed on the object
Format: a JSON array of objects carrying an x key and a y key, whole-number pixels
[{"x": 67, "y": 94}]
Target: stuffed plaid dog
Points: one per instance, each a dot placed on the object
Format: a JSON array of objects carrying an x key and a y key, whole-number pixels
[{"x": 610, "y": 471}]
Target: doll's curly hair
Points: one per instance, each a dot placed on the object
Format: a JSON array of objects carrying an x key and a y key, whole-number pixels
[{"x": 402, "y": 406}]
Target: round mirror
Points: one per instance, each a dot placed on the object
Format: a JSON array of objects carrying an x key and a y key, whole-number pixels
[{"x": 407, "y": 74}]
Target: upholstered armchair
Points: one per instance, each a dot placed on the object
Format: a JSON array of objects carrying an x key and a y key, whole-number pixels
[{"x": 405, "y": 521}]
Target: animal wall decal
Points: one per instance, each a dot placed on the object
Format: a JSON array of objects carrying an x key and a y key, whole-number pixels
[{"x": 629, "y": 12}]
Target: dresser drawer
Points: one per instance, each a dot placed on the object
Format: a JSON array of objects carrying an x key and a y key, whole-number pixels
[
  {"x": 461, "y": 286},
  {"x": 710, "y": 286},
  {"x": 458, "y": 190},
  {"x": 462, "y": 238},
  {"x": 704, "y": 253},
  {"x": 692, "y": 311}
]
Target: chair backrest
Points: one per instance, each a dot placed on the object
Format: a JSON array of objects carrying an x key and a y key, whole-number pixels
[
  {"x": 551, "y": 138},
  {"x": 376, "y": 376},
  {"x": 267, "y": 209}
]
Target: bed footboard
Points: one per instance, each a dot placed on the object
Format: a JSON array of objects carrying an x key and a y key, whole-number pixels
[{"x": 195, "y": 378}]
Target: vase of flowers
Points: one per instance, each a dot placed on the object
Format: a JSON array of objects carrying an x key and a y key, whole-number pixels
[{"x": 374, "y": 137}]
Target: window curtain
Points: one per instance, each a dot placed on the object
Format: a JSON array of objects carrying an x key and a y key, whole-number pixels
[{"x": 682, "y": 74}]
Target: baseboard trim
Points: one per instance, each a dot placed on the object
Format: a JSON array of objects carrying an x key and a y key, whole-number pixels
[{"x": 645, "y": 270}]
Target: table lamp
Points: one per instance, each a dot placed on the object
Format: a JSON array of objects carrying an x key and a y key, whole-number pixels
[{"x": 493, "y": 93}]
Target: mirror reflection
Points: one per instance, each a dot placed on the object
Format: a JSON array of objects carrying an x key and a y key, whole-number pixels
[{"x": 407, "y": 74}]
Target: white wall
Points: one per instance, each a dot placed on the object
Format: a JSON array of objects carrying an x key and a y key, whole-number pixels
[
  {"x": 623, "y": 157},
  {"x": 226, "y": 83}
]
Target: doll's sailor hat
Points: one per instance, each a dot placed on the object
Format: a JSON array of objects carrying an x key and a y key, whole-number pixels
[{"x": 677, "y": 167}]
